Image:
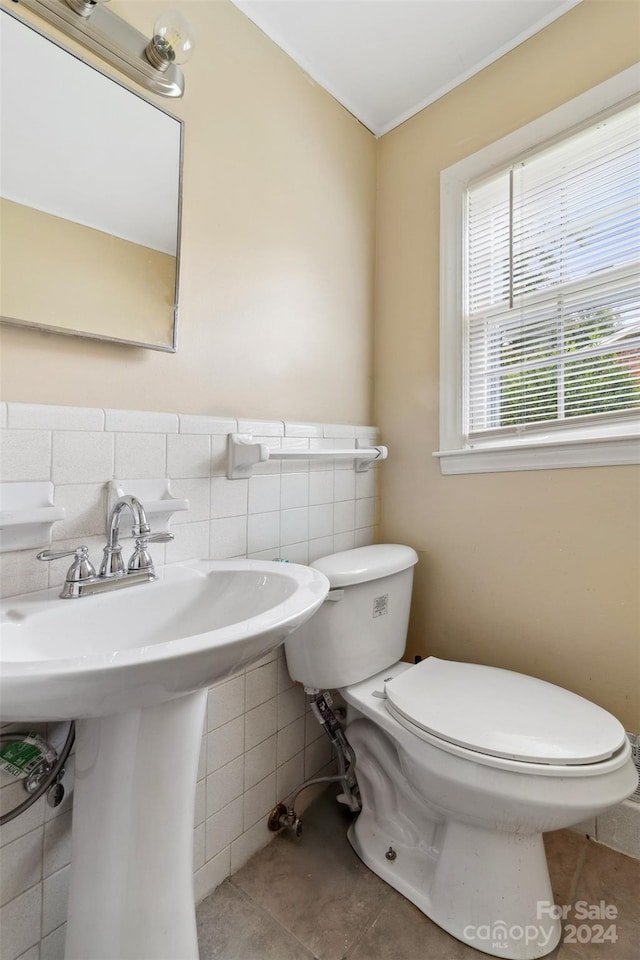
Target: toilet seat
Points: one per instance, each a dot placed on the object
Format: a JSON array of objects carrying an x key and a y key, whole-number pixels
[
  {"x": 502, "y": 714},
  {"x": 367, "y": 699}
]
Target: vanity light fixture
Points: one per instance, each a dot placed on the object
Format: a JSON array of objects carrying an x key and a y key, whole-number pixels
[{"x": 151, "y": 63}]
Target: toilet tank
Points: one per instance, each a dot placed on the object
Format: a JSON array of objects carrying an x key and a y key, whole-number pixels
[{"x": 361, "y": 628}]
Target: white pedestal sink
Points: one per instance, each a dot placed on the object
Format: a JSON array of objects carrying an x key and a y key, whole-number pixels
[{"x": 133, "y": 667}]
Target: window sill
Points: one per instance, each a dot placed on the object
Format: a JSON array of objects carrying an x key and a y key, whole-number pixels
[{"x": 538, "y": 455}]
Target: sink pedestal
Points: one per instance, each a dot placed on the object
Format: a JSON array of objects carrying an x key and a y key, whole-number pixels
[
  {"x": 131, "y": 892},
  {"x": 128, "y": 661}
]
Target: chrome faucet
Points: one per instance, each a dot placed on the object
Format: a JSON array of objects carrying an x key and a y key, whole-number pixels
[
  {"x": 112, "y": 564},
  {"x": 82, "y": 579}
]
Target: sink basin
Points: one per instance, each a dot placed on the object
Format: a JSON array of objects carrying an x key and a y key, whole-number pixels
[
  {"x": 132, "y": 667},
  {"x": 195, "y": 625}
]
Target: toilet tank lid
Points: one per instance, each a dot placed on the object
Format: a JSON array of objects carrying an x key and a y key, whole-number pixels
[{"x": 365, "y": 563}]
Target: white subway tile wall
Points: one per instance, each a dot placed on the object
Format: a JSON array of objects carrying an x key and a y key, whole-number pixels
[{"x": 260, "y": 741}]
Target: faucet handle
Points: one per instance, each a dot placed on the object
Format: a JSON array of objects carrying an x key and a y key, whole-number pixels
[
  {"x": 140, "y": 559},
  {"x": 78, "y": 552},
  {"x": 80, "y": 569},
  {"x": 159, "y": 538}
]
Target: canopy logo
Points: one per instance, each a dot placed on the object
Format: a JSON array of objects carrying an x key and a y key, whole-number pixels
[{"x": 500, "y": 936}]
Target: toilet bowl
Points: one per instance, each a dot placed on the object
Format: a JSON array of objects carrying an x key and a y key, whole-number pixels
[{"x": 461, "y": 767}]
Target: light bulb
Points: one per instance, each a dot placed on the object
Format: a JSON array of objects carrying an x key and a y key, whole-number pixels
[{"x": 172, "y": 41}]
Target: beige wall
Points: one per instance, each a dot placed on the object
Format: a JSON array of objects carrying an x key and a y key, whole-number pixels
[
  {"x": 277, "y": 250},
  {"x": 121, "y": 289},
  {"x": 537, "y": 571}
]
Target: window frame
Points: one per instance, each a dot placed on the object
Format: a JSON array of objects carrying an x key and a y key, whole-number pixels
[{"x": 612, "y": 439}]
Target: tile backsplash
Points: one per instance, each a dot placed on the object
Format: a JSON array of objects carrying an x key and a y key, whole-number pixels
[{"x": 260, "y": 741}]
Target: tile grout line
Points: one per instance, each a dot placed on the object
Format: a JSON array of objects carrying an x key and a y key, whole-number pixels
[
  {"x": 365, "y": 929},
  {"x": 582, "y": 856},
  {"x": 42, "y": 867},
  {"x": 268, "y": 913}
]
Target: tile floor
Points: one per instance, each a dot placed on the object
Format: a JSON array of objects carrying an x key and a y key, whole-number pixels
[{"x": 313, "y": 898}]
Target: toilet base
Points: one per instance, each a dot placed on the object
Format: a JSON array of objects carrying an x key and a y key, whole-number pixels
[{"x": 481, "y": 886}]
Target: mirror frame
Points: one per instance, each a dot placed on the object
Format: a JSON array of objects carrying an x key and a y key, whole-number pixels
[{"x": 47, "y": 328}]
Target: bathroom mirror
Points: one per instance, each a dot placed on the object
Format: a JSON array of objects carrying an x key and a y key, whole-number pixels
[{"x": 90, "y": 186}]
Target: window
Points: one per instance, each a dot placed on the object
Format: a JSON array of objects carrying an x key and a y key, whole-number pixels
[{"x": 540, "y": 319}]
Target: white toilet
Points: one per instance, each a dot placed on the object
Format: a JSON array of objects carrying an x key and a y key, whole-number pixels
[{"x": 461, "y": 767}]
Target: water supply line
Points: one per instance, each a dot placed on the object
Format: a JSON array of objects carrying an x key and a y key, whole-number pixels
[
  {"x": 48, "y": 780},
  {"x": 321, "y": 707}
]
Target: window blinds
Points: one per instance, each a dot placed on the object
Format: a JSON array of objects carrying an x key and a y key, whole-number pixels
[{"x": 553, "y": 286}]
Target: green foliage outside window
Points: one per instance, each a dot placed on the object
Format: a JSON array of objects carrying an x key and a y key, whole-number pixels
[{"x": 588, "y": 384}]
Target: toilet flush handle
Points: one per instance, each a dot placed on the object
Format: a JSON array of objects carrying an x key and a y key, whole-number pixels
[{"x": 335, "y": 595}]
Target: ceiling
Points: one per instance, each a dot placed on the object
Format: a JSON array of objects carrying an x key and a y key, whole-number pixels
[{"x": 384, "y": 60}]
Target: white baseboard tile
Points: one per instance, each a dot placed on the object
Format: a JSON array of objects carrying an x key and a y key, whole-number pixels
[{"x": 619, "y": 828}]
